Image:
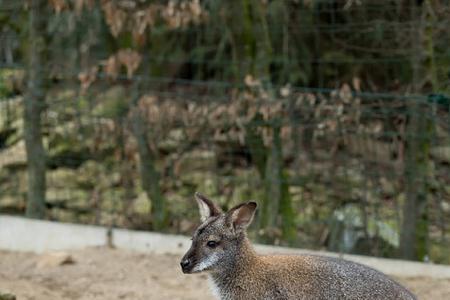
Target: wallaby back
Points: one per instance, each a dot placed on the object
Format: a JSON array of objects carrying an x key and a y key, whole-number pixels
[{"x": 221, "y": 247}]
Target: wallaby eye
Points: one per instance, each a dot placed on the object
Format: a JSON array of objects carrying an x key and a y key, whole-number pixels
[{"x": 211, "y": 244}]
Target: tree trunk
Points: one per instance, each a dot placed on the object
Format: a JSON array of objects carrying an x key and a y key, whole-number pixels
[
  {"x": 149, "y": 175},
  {"x": 414, "y": 229},
  {"x": 34, "y": 106},
  {"x": 414, "y": 233},
  {"x": 255, "y": 143},
  {"x": 276, "y": 208},
  {"x": 271, "y": 204}
]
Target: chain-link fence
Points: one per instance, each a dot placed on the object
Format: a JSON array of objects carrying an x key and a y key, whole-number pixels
[{"x": 333, "y": 115}]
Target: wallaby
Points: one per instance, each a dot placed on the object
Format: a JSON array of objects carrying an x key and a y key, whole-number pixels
[{"x": 221, "y": 247}]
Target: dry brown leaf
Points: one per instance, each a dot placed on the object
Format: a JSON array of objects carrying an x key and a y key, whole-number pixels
[
  {"x": 87, "y": 78},
  {"x": 79, "y": 4},
  {"x": 130, "y": 59},
  {"x": 195, "y": 8},
  {"x": 180, "y": 14},
  {"x": 112, "y": 67},
  {"x": 144, "y": 19},
  {"x": 115, "y": 17},
  {"x": 58, "y": 5}
]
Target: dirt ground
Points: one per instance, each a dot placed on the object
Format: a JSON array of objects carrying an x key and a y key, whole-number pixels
[{"x": 106, "y": 274}]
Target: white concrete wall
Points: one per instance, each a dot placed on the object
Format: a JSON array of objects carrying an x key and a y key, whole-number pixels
[
  {"x": 150, "y": 242},
  {"x": 20, "y": 234}
]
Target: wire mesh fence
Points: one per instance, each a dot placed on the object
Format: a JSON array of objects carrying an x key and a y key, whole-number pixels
[{"x": 332, "y": 115}]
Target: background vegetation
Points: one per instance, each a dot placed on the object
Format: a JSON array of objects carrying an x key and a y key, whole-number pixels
[{"x": 332, "y": 114}]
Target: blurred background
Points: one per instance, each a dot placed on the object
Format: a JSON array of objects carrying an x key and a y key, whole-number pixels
[{"x": 332, "y": 114}]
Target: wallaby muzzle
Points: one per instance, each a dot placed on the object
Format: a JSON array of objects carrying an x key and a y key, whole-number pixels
[{"x": 187, "y": 262}]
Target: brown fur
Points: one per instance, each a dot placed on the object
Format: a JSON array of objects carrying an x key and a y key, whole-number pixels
[{"x": 238, "y": 272}]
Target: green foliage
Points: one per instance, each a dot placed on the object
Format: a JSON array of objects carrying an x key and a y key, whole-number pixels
[
  {"x": 113, "y": 103},
  {"x": 11, "y": 82}
]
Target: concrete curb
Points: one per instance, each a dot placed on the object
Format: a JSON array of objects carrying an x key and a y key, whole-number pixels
[
  {"x": 150, "y": 242},
  {"x": 21, "y": 234}
]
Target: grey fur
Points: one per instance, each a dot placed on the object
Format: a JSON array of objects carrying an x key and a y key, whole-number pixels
[{"x": 241, "y": 274}]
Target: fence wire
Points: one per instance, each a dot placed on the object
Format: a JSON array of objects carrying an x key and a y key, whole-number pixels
[{"x": 331, "y": 153}]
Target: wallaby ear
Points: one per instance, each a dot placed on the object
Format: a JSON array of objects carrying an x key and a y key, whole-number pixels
[
  {"x": 241, "y": 216},
  {"x": 206, "y": 207}
]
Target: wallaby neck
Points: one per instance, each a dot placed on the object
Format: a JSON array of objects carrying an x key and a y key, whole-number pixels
[
  {"x": 243, "y": 260},
  {"x": 246, "y": 254}
]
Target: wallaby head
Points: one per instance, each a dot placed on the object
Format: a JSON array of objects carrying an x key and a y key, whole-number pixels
[{"x": 219, "y": 238}]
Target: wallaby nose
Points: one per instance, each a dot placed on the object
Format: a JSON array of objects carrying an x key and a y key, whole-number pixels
[{"x": 184, "y": 264}]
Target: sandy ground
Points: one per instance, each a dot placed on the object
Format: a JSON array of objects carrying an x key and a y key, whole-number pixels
[{"x": 105, "y": 274}]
